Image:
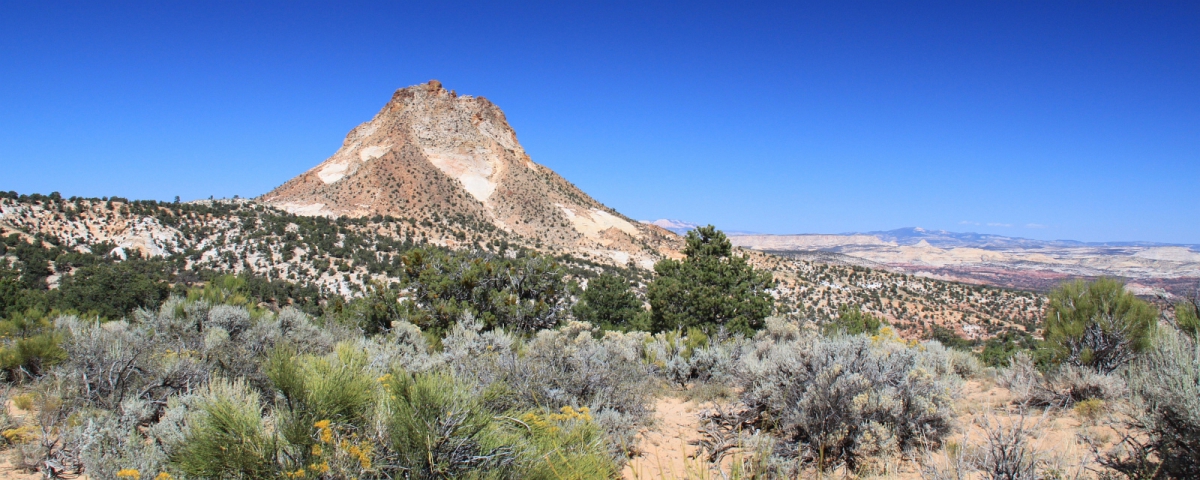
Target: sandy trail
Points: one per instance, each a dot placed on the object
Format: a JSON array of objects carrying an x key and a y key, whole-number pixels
[{"x": 664, "y": 446}]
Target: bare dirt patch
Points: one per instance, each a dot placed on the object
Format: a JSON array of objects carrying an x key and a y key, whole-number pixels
[{"x": 664, "y": 449}]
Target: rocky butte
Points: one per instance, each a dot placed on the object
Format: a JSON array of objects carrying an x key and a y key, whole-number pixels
[{"x": 431, "y": 154}]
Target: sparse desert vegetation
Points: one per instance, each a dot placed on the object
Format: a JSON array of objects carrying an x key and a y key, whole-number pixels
[{"x": 505, "y": 362}]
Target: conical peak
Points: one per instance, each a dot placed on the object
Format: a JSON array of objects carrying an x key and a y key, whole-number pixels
[{"x": 430, "y": 153}]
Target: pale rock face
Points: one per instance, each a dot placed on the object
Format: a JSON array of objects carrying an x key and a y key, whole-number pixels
[
  {"x": 332, "y": 172},
  {"x": 592, "y": 223},
  {"x": 306, "y": 209},
  {"x": 343, "y": 162},
  {"x": 474, "y": 170},
  {"x": 373, "y": 152}
]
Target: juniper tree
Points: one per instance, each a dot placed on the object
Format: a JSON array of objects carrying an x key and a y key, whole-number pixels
[
  {"x": 609, "y": 302},
  {"x": 711, "y": 288}
]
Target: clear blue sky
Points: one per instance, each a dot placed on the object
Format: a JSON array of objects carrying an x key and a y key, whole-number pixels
[{"x": 1075, "y": 120}]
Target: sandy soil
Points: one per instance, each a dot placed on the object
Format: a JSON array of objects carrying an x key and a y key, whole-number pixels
[
  {"x": 665, "y": 452},
  {"x": 664, "y": 446}
]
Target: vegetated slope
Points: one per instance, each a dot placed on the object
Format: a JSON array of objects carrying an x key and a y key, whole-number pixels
[
  {"x": 339, "y": 256},
  {"x": 913, "y": 304},
  {"x": 343, "y": 255},
  {"x": 431, "y": 154}
]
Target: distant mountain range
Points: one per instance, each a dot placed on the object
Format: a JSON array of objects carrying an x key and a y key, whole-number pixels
[
  {"x": 680, "y": 227},
  {"x": 676, "y": 226},
  {"x": 936, "y": 238},
  {"x": 945, "y": 239},
  {"x": 1013, "y": 262}
]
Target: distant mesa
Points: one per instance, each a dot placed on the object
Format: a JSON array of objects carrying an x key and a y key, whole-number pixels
[{"x": 993, "y": 259}]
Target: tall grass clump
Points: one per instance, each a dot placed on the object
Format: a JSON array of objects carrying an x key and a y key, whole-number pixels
[
  {"x": 227, "y": 436},
  {"x": 439, "y": 430},
  {"x": 335, "y": 388},
  {"x": 1164, "y": 421}
]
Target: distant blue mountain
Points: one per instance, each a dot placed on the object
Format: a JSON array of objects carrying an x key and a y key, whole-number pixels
[
  {"x": 680, "y": 227},
  {"x": 945, "y": 239}
]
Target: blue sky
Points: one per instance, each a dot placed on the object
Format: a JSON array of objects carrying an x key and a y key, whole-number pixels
[{"x": 1076, "y": 120}]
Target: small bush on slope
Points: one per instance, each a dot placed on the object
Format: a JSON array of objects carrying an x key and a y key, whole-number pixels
[
  {"x": 1006, "y": 451},
  {"x": 1187, "y": 317},
  {"x": 1062, "y": 387},
  {"x": 852, "y": 320},
  {"x": 696, "y": 357}
]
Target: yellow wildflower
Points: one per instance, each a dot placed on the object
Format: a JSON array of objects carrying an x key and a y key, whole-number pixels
[
  {"x": 319, "y": 468},
  {"x": 163, "y": 476},
  {"x": 23, "y": 434},
  {"x": 129, "y": 473},
  {"x": 323, "y": 424}
]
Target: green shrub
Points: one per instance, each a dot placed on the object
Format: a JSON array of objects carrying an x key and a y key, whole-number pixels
[
  {"x": 562, "y": 446},
  {"x": 227, "y": 437},
  {"x": 29, "y": 345},
  {"x": 609, "y": 303},
  {"x": 439, "y": 430},
  {"x": 1187, "y": 317},
  {"x": 336, "y": 389},
  {"x": 1097, "y": 324},
  {"x": 852, "y": 321}
]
